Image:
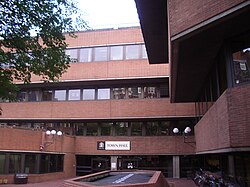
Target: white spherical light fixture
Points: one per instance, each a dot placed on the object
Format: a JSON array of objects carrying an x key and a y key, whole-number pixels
[
  {"x": 175, "y": 130},
  {"x": 53, "y": 132},
  {"x": 187, "y": 130}
]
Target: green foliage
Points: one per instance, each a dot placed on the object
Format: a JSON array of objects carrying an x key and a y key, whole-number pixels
[{"x": 41, "y": 53}]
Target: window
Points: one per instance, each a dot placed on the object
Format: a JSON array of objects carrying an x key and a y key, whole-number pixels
[
  {"x": 164, "y": 91},
  {"x": 106, "y": 129},
  {"x": 104, "y": 53},
  {"x": 132, "y": 51},
  {"x": 121, "y": 128},
  {"x": 60, "y": 95},
  {"x": 92, "y": 129},
  {"x": 88, "y": 94},
  {"x": 33, "y": 96},
  {"x": 165, "y": 128},
  {"x": 80, "y": 129},
  {"x": 74, "y": 94},
  {"x": 150, "y": 92},
  {"x": 30, "y": 163},
  {"x": 60, "y": 159},
  {"x": 21, "y": 96},
  {"x": 44, "y": 163},
  {"x": 53, "y": 163},
  {"x": 15, "y": 163},
  {"x": 47, "y": 95},
  {"x": 73, "y": 55},
  {"x": 144, "y": 52},
  {"x": 103, "y": 93},
  {"x": 134, "y": 92},
  {"x": 119, "y": 93},
  {"x": 2, "y": 163},
  {"x": 116, "y": 53},
  {"x": 241, "y": 64},
  {"x": 86, "y": 55},
  {"x": 136, "y": 128},
  {"x": 101, "y": 54},
  {"x": 152, "y": 128}
]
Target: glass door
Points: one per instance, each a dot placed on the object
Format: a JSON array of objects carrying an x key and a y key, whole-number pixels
[{"x": 100, "y": 164}]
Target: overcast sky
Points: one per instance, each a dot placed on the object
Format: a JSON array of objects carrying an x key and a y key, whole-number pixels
[{"x": 109, "y": 13}]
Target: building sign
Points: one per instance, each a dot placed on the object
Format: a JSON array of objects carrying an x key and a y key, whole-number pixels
[
  {"x": 113, "y": 145},
  {"x": 100, "y": 145}
]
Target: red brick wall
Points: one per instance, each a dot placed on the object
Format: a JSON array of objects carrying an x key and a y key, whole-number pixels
[
  {"x": 112, "y": 69},
  {"x": 212, "y": 131},
  {"x": 19, "y": 139},
  {"x": 14, "y": 139},
  {"x": 69, "y": 164},
  {"x": 226, "y": 124},
  {"x": 105, "y": 37},
  {"x": 97, "y": 109},
  {"x": 153, "y": 145},
  {"x": 239, "y": 116},
  {"x": 186, "y": 14}
]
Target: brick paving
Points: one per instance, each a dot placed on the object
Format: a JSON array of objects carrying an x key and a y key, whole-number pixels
[
  {"x": 182, "y": 182},
  {"x": 58, "y": 183}
]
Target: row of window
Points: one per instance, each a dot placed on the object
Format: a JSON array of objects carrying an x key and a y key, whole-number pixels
[
  {"x": 107, "y": 53},
  {"x": 142, "y": 92},
  {"x": 155, "y": 128},
  {"x": 114, "y": 128},
  {"x": 30, "y": 163},
  {"x": 217, "y": 81}
]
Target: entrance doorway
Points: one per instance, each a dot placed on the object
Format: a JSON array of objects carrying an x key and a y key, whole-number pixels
[
  {"x": 86, "y": 164},
  {"x": 100, "y": 164},
  {"x": 127, "y": 163}
]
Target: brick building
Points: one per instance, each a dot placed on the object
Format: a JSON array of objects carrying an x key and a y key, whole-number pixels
[
  {"x": 176, "y": 103},
  {"x": 208, "y": 44},
  {"x": 111, "y": 106}
]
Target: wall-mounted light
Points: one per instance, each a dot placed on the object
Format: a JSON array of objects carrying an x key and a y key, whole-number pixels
[
  {"x": 176, "y": 131},
  {"x": 54, "y": 132},
  {"x": 187, "y": 130},
  {"x": 50, "y": 136},
  {"x": 185, "y": 133}
]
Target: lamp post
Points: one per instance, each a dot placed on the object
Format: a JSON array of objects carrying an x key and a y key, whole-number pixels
[{"x": 50, "y": 136}]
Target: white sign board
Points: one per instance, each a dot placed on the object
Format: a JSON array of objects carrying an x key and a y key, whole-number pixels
[{"x": 117, "y": 145}]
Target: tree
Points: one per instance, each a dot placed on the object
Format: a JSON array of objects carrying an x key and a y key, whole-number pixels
[{"x": 32, "y": 40}]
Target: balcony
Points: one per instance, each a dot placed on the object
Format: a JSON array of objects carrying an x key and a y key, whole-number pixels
[{"x": 225, "y": 127}]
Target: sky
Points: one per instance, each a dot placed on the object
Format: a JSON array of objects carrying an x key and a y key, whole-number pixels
[{"x": 109, "y": 13}]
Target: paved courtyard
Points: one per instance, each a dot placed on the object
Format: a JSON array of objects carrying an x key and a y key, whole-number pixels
[{"x": 59, "y": 183}]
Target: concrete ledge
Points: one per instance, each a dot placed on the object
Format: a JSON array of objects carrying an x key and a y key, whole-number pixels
[{"x": 156, "y": 180}]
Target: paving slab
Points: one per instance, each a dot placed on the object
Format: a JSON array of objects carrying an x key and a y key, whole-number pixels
[{"x": 59, "y": 183}]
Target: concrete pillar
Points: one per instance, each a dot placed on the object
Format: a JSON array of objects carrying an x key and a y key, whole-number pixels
[
  {"x": 113, "y": 162},
  {"x": 231, "y": 169},
  {"x": 176, "y": 166}
]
